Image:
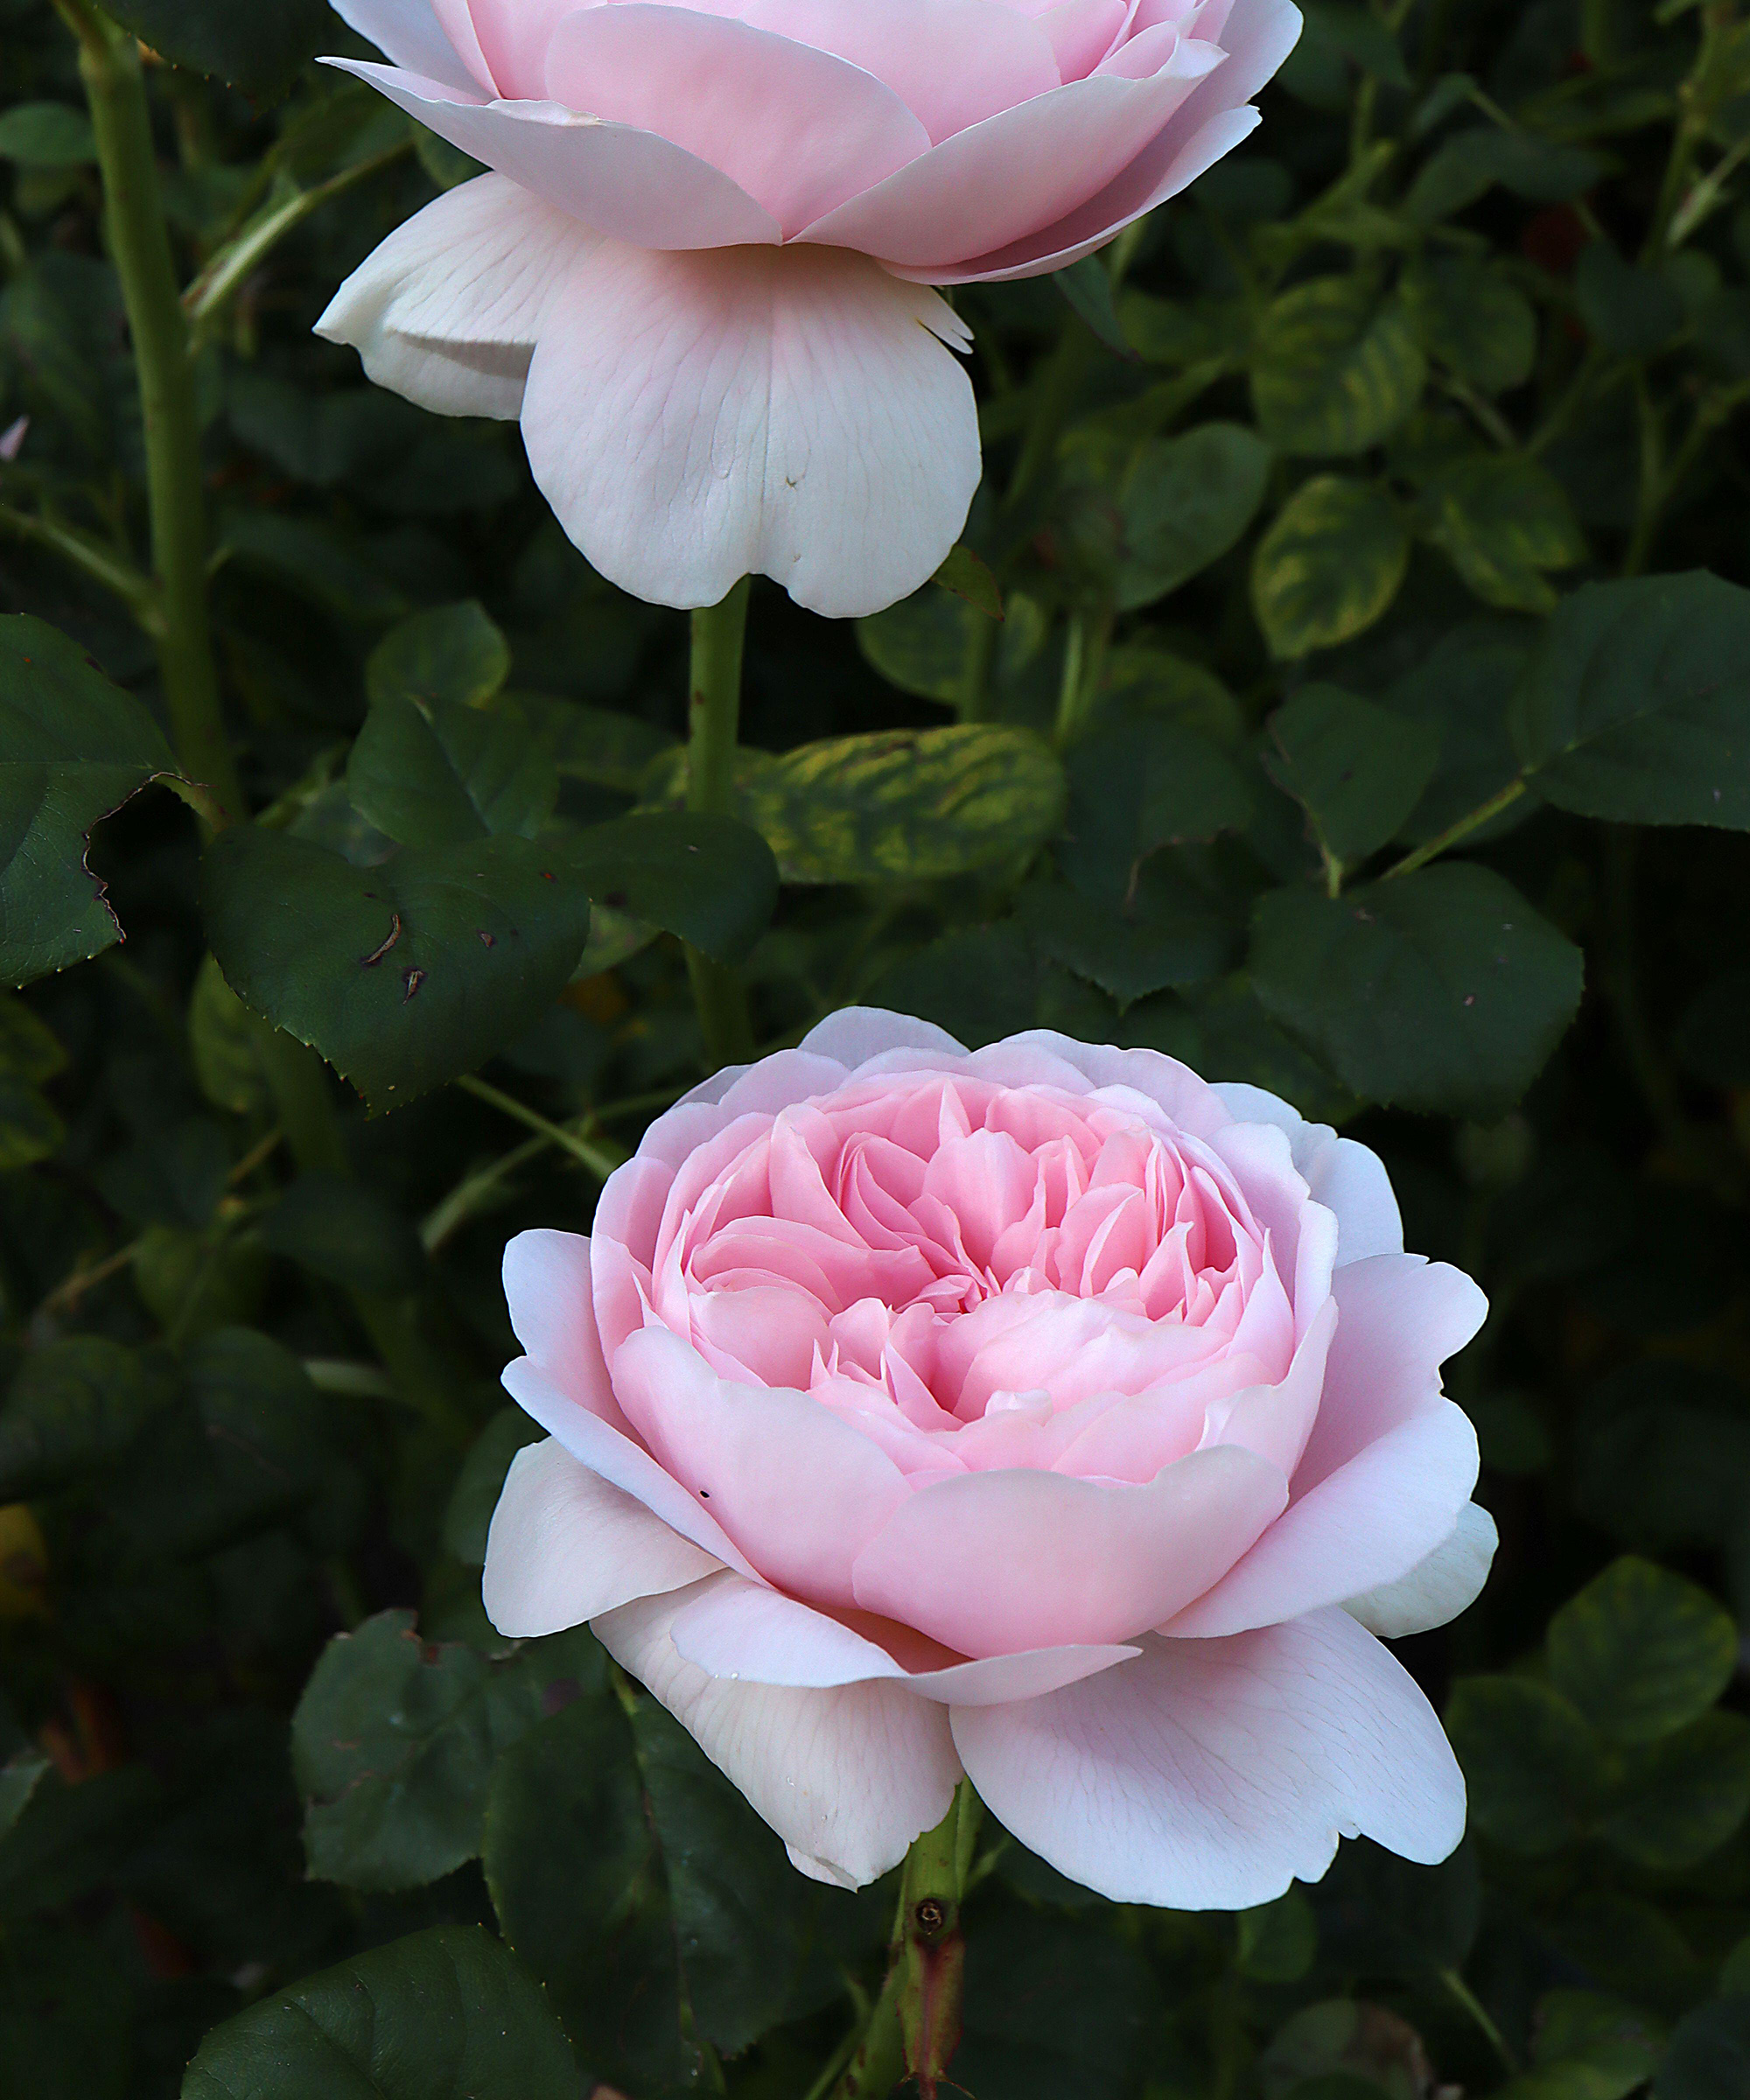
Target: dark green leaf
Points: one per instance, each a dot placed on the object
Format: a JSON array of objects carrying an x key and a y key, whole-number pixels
[
  {"x": 1053, "y": 2007},
  {"x": 1137, "y": 784},
  {"x": 1532, "y": 1764},
  {"x": 73, "y": 749},
  {"x": 967, "y": 577},
  {"x": 708, "y": 879},
  {"x": 1585, "y": 2046},
  {"x": 1472, "y": 320},
  {"x": 1329, "y": 565},
  {"x": 1675, "y": 1801},
  {"x": 978, "y": 983},
  {"x": 1278, "y": 1941},
  {"x": 1501, "y": 522},
  {"x": 1708, "y": 2056},
  {"x": 1165, "y": 933},
  {"x": 1358, "y": 769},
  {"x": 75, "y": 1406},
  {"x": 438, "y": 773},
  {"x": 1087, "y": 287},
  {"x": 446, "y": 2015},
  {"x": 1465, "y": 167},
  {"x": 1184, "y": 503},
  {"x": 1636, "y": 707},
  {"x": 454, "y": 653},
  {"x": 347, "y": 1231},
  {"x": 1640, "y": 1651},
  {"x": 1441, "y": 990},
  {"x": 593, "y": 743},
  {"x": 481, "y": 1482},
  {"x": 1631, "y": 312},
  {"x": 404, "y": 976},
  {"x": 1333, "y": 372},
  {"x": 258, "y": 48},
  {"x": 71, "y": 1840},
  {"x": 47, "y": 135},
  {"x": 393, "y": 1746},
  {"x": 1462, "y": 690}
]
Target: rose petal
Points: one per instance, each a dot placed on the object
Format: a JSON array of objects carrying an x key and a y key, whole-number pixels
[
  {"x": 625, "y": 183},
  {"x": 796, "y": 128},
  {"x": 855, "y": 1034},
  {"x": 447, "y": 311},
  {"x": 566, "y": 1546},
  {"x": 547, "y": 1288},
  {"x": 1345, "y": 1177},
  {"x": 1027, "y": 167},
  {"x": 992, "y": 1564},
  {"x": 410, "y": 35},
  {"x": 695, "y": 418},
  {"x": 733, "y": 1629},
  {"x": 1207, "y": 1775},
  {"x": 1437, "y": 1589},
  {"x": 847, "y": 1777}
]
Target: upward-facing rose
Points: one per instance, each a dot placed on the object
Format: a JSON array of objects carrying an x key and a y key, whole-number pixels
[
  {"x": 697, "y": 276},
  {"x": 1042, "y": 1412}
]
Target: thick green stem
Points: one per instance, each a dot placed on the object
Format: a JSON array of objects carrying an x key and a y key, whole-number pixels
[
  {"x": 719, "y": 636},
  {"x": 139, "y": 245},
  {"x": 914, "y": 2027},
  {"x": 1086, "y": 649}
]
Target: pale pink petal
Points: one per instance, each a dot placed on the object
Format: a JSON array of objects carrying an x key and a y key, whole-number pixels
[
  {"x": 448, "y": 309},
  {"x": 1367, "y": 1524},
  {"x": 622, "y": 182},
  {"x": 1027, "y": 167},
  {"x": 798, "y": 1489},
  {"x": 797, "y": 129},
  {"x": 620, "y": 1460},
  {"x": 991, "y": 1564},
  {"x": 1207, "y": 1775},
  {"x": 1275, "y": 1421},
  {"x": 1437, "y": 1589},
  {"x": 566, "y": 1546},
  {"x": 1189, "y": 1102},
  {"x": 552, "y": 1313},
  {"x": 1347, "y": 1178},
  {"x": 410, "y": 35},
  {"x": 855, "y": 1034},
  {"x": 628, "y": 1218},
  {"x": 506, "y": 41},
  {"x": 847, "y": 1776},
  {"x": 796, "y": 414},
  {"x": 1081, "y": 32},
  {"x": 733, "y": 1629}
]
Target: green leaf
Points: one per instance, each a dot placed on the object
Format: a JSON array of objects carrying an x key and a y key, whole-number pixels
[
  {"x": 1278, "y": 1941},
  {"x": 1675, "y": 1801},
  {"x": 1462, "y": 690},
  {"x": 1584, "y": 2046},
  {"x": 1329, "y": 565},
  {"x": 1631, "y": 312},
  {"x": 1470, "y": 318},
  {"x": 1501, "y": 522},
  {"x": 1532, "y": 1764},
  {"x": 347, "y": 1231},
  {"x": 437, "y": 772},
  {"x": 709, "y": 879},
  {"x": 1641, "y": 1652},
  {"x": 1052, "y": 2008},
  {"x": 1137, "y": 784},
  {"x": 47, "y": 135},
  {"x": 968, "y": 577},
  {"x": 979, "y": 982},
  {"x": 1465, "y": 167},
  {"x": 1141, "y": 678},
  {"x": 1441, "y": 990},
  {"x": 1333, "y": 372},
  {"x": 922, "y": 645},
  {"x": 1086, "y": 286},
  {"x": 454, "y": 653},
  {"x": 1636, "y": 706},
  {"x": 446, "y": 2015},
  {"x": 72, "y": 1839},
  {"x": 393, "y": 1746},
  {"x": 593, "y": 743},
  {"x": 75, "y": 1406},
  {"x": 403, "y": 975},
  {"x": 1185, "y": 502},
  {"x": 909, "y": 805},
  {"x": 481, "y": 1482},
  {"x": 30, "y": 1130},
  {"x": 29, "y": 1049},
  {"x": 223, "y": 1039},
  {"x": 73, "y": 749},
  {"x": 1357, "y": 769},
  {"x": 1709, "y": 2055},
  {"x": 257, "y": 48},
  {"x": 1166, "y": 933}
]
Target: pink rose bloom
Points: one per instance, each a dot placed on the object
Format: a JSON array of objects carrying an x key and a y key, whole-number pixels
[
  {"x": 699, "y": 275},
  {"x": 1041, "y": 1414}
]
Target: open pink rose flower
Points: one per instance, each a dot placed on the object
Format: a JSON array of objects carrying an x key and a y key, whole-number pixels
[
  {"x": 699, "y": 273},
  {"x": 1041, "y": 1414}
]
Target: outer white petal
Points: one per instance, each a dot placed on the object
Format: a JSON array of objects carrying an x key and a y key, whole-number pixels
[
  {"x": 1345, "y": 1177},
  {"x": 409, "y": 34},
  {"x": 847, "y": 1777},
  {"x": 734, "y": 1628},
  {"x": 793, "y": 413},
  {"x": 1208, "y": 1774},
  {"x": 856, "y": 1033},
  {"x": 564, "y": 1546},
  {"x": 448, "y": 310},
  {"x": 1448, "y": 1582}
]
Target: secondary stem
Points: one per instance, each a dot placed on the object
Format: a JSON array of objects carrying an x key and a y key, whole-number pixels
[
  {"x": 139, "y": 245},
  {"x": 1472, "y": 820},
  {"x": 719, "y": 637}
]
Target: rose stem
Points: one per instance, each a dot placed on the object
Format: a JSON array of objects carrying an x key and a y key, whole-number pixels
[
  {"x": 915, "y": 2028},
  {"x": 719, "y": 633}
]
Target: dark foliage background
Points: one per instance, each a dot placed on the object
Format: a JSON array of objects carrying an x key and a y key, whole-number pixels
[{"x": 1340, "y": 517}]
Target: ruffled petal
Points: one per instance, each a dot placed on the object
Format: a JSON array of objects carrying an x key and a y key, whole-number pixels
[
  {"x": 447, "y": 311},
  {"x": 693, "y": 419},
  {"x": 847, "y": 1777},
  {"x": 732, "y": 1628},
  {"x": 1208, "y": 1774},
  {"x": 1347, "y": 1178},
  {"x": 622, "y": 182},
  {"x": 1436, "y": 1590},
  {"x": 552, "y": 1313},
  {"x": 564, "y": 1547},
  {"x": 855, "y": 1034},
  {"x": 409, "y": 34},
  {"x": 1028, "y": 165},
  {"x": 796, "y": 128},
  {"x": 992, "y": 1564}
]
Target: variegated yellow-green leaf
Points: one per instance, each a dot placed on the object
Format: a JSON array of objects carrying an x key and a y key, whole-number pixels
[
  {"x": 1501, "y": 522},
  {"x": 1333, "y": 371},
  {"x": 1329, "y": 565}
]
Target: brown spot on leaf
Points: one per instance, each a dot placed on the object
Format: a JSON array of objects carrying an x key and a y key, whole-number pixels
[
  {"x": 371, "y": 961},
  {"x": 413, "y": 979}
]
